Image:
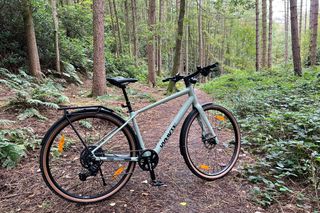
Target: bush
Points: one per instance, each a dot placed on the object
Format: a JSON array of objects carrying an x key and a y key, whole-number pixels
[{"x": 280, "y": 117}]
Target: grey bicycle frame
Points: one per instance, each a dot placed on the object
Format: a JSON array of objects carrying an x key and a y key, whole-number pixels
[{"x": 192, "y": 100}]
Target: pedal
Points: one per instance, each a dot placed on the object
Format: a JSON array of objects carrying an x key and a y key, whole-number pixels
[{"x": 157, "y": 183}]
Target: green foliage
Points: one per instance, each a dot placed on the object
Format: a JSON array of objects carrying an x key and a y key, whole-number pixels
[
  {"x": 14, "y": 144},
  {"x": 70, "y": 73},
  {"x": 31, "y": 95},
  {"x": 5, "y": 122},
  {"x": 45, "y": 95},
  {"x": 280, "y": 116},
  {"x": 28, "y": 113},
  {"x": 77, "y": 52},
  {"x": 125, "y": 66}
]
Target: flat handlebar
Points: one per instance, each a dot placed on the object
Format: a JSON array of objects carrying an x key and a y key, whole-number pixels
[{"x": 200, "y": 70}]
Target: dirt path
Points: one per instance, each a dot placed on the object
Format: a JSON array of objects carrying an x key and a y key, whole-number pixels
[{"x": 23, "y": 190}]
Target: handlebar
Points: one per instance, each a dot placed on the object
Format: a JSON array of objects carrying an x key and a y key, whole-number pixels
[
  {"x": 200, "y": 70},
  {"x": 176, "y": 78}
]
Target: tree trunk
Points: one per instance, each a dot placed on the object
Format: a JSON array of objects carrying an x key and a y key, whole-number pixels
[
  {"x": 306, "y": 17},
  {"x": 56, "y": 33},
  {"x": 99, "y": 73},
  {"x": 201, "y": 62},
  {"x": 286, "y": 27},
  {"x": 159, "y": 60},
  {"x": 118, "y": 26},
  {"x": 150, "y": 45},
  {"x": 264, "y": 33},
  {"x": 314, "y": 32},
  {"x": 128, "y": 25},
  {"x": 134, "y": 30},
  {"x": 113, "y": 27},
  {"x": 300, "y": 23},
  {"x": 187, "y": 41},
  {"x": 270, "y": 36},
  {"x": 177, "y": 55},
  {"x": 33, "y": 55},
  {"x": 257, "y": 37},
  {"x": 295, "y": 38}
]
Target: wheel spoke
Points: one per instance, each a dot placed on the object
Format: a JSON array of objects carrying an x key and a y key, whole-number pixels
[
  {"x": 74, "y": 171},
  {"x": 208, "y": 159}
]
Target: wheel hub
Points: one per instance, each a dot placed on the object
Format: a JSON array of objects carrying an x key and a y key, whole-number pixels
[
  {"x": 209, "y": 141},
  {"x": 89, "y": 163}
]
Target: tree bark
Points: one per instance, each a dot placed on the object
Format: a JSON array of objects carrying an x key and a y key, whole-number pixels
[
  {"x": 128, "y": 25},
  {"x": 177, "y": 55},
  {"x": 314, "y": 31},
  {"x": 33, "y": 55},
  {"x": 113, "y": 27},
  {"x": 159, "y": 60},
  {"x": 118, "y": 26},
  {"x": 286, "y": 27},
  {"x": 56, "y": 33},
  {"x": 150, "y": 45},
  {"x": 295, "y": 38},
  {"x": 99, "y": 73},
  {"x": 264, "y": 33},
  {"x": 270, "y": 36},
  {"x": 201, "y": 62},
  {"x": 300, "y": 22},
  {"x": 134, "y": 30},
  {"x": 187, "y": 41},
  {"x": 306, "y": 17},
  {"x": 257, "y": 37}
]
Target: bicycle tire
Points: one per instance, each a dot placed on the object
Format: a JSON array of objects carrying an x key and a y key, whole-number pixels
[
  {"x": 193, "y": 153},
  {"x": 62, "y": 179}
]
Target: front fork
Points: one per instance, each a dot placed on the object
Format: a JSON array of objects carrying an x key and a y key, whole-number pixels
[{"x": 205, "y": 124}]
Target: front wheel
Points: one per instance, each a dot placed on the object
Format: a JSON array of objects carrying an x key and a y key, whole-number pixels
[{"x": 208, "y": 157}]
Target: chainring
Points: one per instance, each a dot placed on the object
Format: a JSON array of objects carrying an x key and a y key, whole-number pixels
[{"x": 148, "y": 160}]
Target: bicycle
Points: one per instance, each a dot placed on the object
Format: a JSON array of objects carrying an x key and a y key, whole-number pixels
[{"x": 90, "y": 153}]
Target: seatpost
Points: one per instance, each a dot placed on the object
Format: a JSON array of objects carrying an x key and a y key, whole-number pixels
[{"x": 128, "y": 104}]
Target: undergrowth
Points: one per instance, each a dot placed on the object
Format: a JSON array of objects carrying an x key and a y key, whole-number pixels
[
  {"x": 279, "y": 115},
  {"x": 14, "y": 143},
  {"x": 31, "y": 96}
]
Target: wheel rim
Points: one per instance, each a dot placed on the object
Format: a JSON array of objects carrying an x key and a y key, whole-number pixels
[
  {"x": 64, "y": 166},
  {"x": 207, "y": 158}
]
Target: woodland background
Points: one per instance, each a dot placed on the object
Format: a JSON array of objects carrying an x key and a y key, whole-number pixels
[{"x": 269, "y": 73}]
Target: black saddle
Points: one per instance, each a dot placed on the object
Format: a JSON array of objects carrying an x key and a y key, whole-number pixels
[{"x": 121, "y": 82}]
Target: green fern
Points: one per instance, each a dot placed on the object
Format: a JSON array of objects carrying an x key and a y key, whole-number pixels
[
  {"x": 6, "y": 123},
  {"x": 14, "y": 144},
  {"x": 38, "y": 103},
  {"x": 32, "y": 95},
  {"x": 85, "y": 124},
  {"x": 29, "y": 113},
  {"x": 70, "y": 73}
]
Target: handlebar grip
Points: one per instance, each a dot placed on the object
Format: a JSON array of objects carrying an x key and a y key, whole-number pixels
[
  {"x": 165, "y": 80},
  {"x": 212, "y": 66}
]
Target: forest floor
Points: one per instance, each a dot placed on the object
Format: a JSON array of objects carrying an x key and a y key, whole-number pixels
[{"x": 22, "y": 189}]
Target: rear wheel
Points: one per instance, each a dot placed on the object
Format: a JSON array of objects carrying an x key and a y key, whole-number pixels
[
  {"x": 68, "y": 166},
  {"x": 207, "y": 157}
]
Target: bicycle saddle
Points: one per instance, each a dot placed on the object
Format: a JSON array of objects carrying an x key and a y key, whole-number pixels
[{"x": 120, "y": 81}]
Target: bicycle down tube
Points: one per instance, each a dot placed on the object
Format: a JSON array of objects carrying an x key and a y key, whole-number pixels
[{"x": 192, "y": 100}]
